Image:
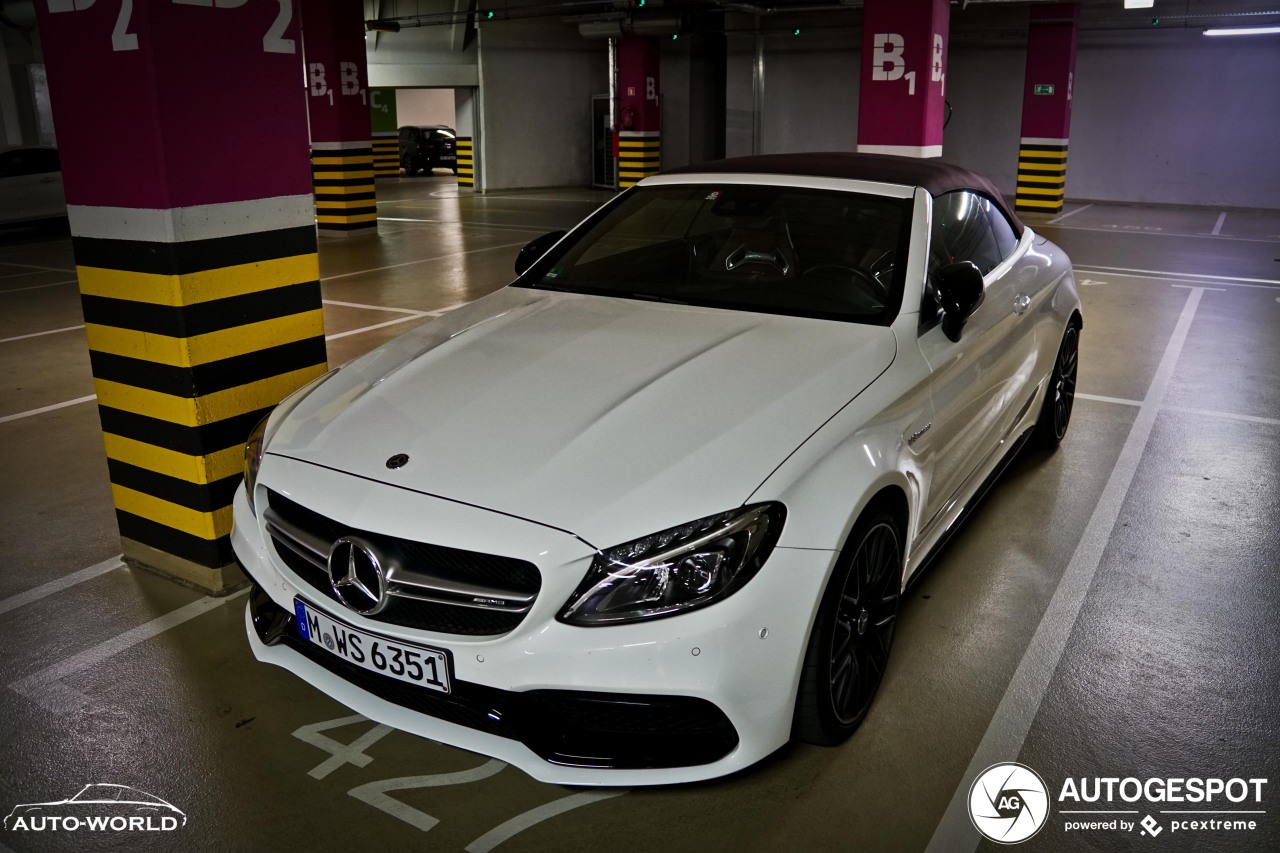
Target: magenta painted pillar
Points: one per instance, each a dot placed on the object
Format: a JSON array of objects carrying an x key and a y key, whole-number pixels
[
  {"x": 338, "y": 103},
  {"x": 183, "y": 139},
  {"x": 639, "y": 109},
  {"x": 1046, "y": 107},
  {"x": 904, "y": 77}
]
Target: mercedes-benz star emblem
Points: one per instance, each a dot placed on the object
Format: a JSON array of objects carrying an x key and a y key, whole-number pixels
[
  {"x": 356, "y": 575},
  {"x": 398, "y": 461}
]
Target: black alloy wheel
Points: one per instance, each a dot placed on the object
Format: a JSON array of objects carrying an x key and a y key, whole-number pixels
[
  {"x": 1055, "y": 416},
  {"x": 849, "y": 648}
]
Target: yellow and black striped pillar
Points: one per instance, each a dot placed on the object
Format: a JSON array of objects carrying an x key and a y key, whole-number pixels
[
  {"x": 1046, "y": 107},
  {"x": 339, "y": 115},
  {"x": 639, "y": 156},
  {"x": 386, "y": 155},
  {"x": 195, "y": 249},
  {"x": 386, "y": 138},
  {"x": 342, "y": 173},
  {"x": 466, "y": 161},
  {"x": 196, "y": 326},
  {"x": 1042, "y": 175}
]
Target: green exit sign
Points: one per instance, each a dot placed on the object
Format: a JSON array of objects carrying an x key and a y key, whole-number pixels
[{"x": 1043, "y": 89}]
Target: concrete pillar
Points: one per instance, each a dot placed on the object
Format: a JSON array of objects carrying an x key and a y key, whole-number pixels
[
  {"x": 465, "y": 101},
  {"x": 384, "y": 127},
  {"x": 901, "y": 102},
  {"x": 338, "y": 106},
  {"x": 1046, "y": 107},
  {"x": 183, "y": 136},
  {"x": 639, "y": 109}
]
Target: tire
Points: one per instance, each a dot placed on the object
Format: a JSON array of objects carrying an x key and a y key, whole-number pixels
[
  {"x": 849, "y": 647},
  {"x": 1055, "y": 413}
]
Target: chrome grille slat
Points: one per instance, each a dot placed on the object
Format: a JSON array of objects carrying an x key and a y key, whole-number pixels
[{"x": 458, "y": 597}]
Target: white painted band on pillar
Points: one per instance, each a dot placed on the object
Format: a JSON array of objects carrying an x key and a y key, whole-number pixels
[
  {"x": 639, "y": 134},
  {"x": 338, "y": 146},
  {"x": 902, "y": 150},
  {"x": 199, "y": 222},
  {"x": 1042, "y": 140}
]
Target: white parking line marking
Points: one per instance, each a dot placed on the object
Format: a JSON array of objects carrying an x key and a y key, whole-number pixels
[
  {"x": 40, "y": 334},
  {"x": 1217, "y": 226},
  {"x": 13, "y": 602},
  {"x": 45, "y": 687},
  {"x": 38, "y": 286},
  {"x": 1097, "y": 398},
  {"x": 423, "y": 261},
  {"x": 1231, "y": 281},
  {"x": 519, "y": 823},
  {"x": 43, "y": 409},
  {"x": 1058, "y": 219},
  {"x": 1133, "y": 232},
  {"x": 375, "y": 307},
  {"x": 364, "y": 329},
  {"x": 1195, "y": 287},
  {"x": 1253, "y": 419},
  {"x": 445, "y": 310},
  {"x": 375, "y": 793},
  {"x": 1018, "y": 707},
  {"x": 35, "y": 267}
]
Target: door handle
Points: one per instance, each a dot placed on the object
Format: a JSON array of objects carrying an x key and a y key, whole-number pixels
[{"x": 1021, "y": 303}]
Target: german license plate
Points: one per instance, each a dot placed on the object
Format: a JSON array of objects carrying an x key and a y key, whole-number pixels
[{"x": 420, "y": 665}]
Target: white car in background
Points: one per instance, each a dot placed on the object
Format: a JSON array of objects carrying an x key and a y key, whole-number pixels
[
  {"x": 30, "y": 185},
  {"x": 647, "y": 513}
]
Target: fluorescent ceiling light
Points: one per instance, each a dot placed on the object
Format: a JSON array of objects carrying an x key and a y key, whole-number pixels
[
  {"x": 1139, "y": 4},
  {"x": 1243, "y": 31}
]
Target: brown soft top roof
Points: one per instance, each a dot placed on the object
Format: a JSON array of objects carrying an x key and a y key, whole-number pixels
[{"x": 936, "y": 176}]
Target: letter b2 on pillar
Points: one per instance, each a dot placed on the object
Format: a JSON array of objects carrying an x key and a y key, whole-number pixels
[{"x": 901, "y": 100}]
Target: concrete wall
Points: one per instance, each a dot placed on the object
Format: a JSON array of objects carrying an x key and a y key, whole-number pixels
[
  {"x": 1175, "y": 116},
  {"x": 425, "y": 106},
  {"x": 420, "y": 56},
  {"x": 536, "y": 82},
  {"x": 1162, "y": 116}
]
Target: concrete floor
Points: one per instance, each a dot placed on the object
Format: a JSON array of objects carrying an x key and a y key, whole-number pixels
[{"x": 1108, "y": 611}]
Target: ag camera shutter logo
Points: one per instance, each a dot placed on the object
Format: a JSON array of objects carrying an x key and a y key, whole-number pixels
[{"x": 1008, "y": 803}]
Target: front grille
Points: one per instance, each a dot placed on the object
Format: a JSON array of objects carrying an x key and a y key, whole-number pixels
[
  {"x": 575, "y": 728},
  {"x": 431, "y": 587}
]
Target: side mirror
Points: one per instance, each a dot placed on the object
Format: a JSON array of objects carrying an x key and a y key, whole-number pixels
[
  {"x": 535, "y": 249},
  {"x": 960, "y": 292}
]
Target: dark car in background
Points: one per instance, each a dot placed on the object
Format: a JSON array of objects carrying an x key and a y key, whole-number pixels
[
  {"x": 30, "y": 185},
  {"x": 425, "y": 148}
]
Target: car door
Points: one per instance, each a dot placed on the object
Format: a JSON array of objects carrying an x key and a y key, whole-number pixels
[
  {"x": 30, "y": 185},
  {"x": 982, "y": 383}
]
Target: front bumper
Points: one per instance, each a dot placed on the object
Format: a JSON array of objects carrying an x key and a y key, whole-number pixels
[{"x": 675, "y": 700}]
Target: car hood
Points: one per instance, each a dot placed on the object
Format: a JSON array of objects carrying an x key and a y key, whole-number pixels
[{"x": 605, "y": 417}]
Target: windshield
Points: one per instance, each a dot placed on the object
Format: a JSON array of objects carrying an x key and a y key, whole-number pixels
[{"x": 782, "y": 250}]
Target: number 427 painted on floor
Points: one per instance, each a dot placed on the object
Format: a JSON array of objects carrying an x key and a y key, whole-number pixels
[{"x": 376, "y": 793}]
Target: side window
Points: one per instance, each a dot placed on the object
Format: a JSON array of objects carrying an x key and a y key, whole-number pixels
[
  {"x": 962, "y": 232},
  {"x": 44, "y": 160},
  {"x": 1005, "y": 238}
]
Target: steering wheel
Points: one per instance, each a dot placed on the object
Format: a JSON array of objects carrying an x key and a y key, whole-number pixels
[{"x": 874, "y": 286}]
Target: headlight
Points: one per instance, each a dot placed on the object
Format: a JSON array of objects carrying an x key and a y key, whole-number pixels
[
  {"x": 677, "y": 570},
  {"x": 253, "y": 450},
  {"x": 256, "y": 446}
]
